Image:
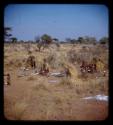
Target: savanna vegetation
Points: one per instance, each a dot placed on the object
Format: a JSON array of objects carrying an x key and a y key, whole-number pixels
[{"x": 43, "y": 96}]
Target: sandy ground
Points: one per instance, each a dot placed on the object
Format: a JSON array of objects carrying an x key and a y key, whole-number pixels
[
  {"x": 35, "y": 98},
  {"x": 38, "y": 106}
]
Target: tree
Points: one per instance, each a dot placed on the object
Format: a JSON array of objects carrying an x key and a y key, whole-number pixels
[
  {"x": 73, "y": 41},
  {"x": 68, "y": 40},
  {"x": 14, "y": 39},
  {"x": 39, "y": 42},
  {"x": 89, "y": 40},
  {"x": 104, "y": 40},
  {"x": 21, "y": 41},
  {"x": 55, "y": 39},
  {"x": 37, "y": 39},
  {"x": 6, "y": 34},
  {"x": 43, "y": 41},
  {"x": 46, "y": 39},
  {"x": 80, "y": 40},
  {"x": 56, "y": 42}
]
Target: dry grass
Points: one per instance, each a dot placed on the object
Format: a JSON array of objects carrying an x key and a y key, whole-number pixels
[
  {"x": 55, "y": 101},
  {"x": 66, "y": 82},
  {"x": 30, "y": 78},
  {"x": 19, "y": 109},
  {"x": 40, "y": 86}
]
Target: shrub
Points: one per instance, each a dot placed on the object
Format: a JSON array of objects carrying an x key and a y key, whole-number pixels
[
  {"x": 78, "y": 57},
  {"x": 55, "y": 60}
]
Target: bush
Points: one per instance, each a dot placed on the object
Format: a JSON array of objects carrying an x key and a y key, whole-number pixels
[
  {"x": 55, "y": 60},
  {"x": 87, "y": 54},
  {"x": 78, "y": 57}
]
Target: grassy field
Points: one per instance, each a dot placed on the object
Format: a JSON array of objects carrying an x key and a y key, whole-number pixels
[{"x": 36, "y": 98}]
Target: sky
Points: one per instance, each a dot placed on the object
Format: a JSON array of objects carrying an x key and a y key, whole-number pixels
[{"x": 60, "y": 21}]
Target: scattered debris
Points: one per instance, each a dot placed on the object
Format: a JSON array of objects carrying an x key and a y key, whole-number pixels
[
  {"x": 26, "y": 72},
  {"x": 58, "y": 74},
  {"x": 35, "y": 73},
  {"x": 98, "y": 97},
  {"x": 64, "y": 73},
  {"x": 43, "y": 71}
]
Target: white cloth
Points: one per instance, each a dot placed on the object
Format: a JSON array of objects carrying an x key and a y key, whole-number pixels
[{"x": 98, "y": 97}]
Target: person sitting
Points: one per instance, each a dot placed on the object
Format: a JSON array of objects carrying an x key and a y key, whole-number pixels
[
  {"x": 8, "y": 79},
  {"x": 44, "y": 70}
]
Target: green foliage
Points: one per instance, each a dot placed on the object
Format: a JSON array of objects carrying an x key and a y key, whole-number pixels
[
  {"x": 87, "y": 40},
  {"x": 6, "y": 33},
  {"x": 68, "y": 39},
  {"x": 90, "y": 40},
  {"x": 103, "y": 40},
  {"x": 46, "y": 39},
  {"x": 72, "y": 41},
  {"x": 37, "y": 39},
  {"x": 80, "y": 39},
  {"x": 14, "y": 39},
  {"x": 43, "y": 41},
  {"x": 55, "y": 39}
]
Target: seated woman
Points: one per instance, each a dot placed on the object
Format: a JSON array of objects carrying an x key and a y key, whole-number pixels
[{"x": 44, "y": 70}]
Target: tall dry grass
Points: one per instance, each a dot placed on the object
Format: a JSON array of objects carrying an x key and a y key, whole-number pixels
[
  {"x": 48, "y": 101},
  {"x": 19, "y": 109}
]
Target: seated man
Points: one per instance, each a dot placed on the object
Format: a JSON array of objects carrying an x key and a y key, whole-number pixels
[{"x": 31, "y": 62}]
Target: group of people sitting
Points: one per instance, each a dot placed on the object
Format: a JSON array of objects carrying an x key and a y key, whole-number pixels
[
  {"x": 44, "y": 70},
  {"x": 88, "y": 68},
  {"x": 32, "y": 63}
]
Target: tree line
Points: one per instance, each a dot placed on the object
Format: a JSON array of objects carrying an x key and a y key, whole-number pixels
[{"x": 44, "y": 40}]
